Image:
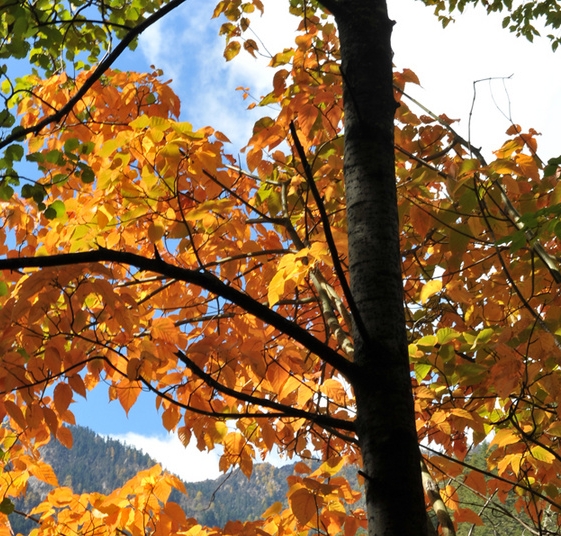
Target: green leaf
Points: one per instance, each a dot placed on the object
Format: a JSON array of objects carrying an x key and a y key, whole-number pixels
[
  {"x": 55, "y": 210},
  {"x": 55, "y": 157},
  {"x": 445, "y": 335},
  {"x": 427, "y": 341},
  {"x": 483, "y": 336},
  {"x": 6, "y": 191},
  {"x": 71, "y": 144},
  {"x": 18, "y": 133},
  {"x": 87, "y": 175},
  {"x": 35, "y": 157},
  {"x": 6, "y": 506},
  {"x": 14, "y": 153},
  {"x": 421, "y": 371},
  {"x": 6, "y": 119}
]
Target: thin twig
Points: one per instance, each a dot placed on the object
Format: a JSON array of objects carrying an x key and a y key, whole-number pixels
[{"x": 308, "y": 174}]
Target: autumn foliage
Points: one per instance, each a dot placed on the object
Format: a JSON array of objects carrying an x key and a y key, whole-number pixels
[{"x": 144, "y": 256}]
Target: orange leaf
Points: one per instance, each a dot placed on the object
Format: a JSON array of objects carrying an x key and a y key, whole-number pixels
[
  {"x": 175, "y": 511},
  {"x": 15, "y": 413},
  {"x": 476, "y": 482},
  {"x": 465, "y": 515},
  {"x": 62, "y": 397},
  {"x": 77, "y": 384},
  {"x": 127, "y": 393},
  {"x": 164, "y": 329},
  {"x": 61, "y": 497},
  {"x": 170, "y": 417},
  {"x": 352, "y": 525},
  {"x": 304, "y": 504},
  {"x": 301, "y": 467},
  {"x": 64, "y": 435},
  {"x": 133, "y": 368},
  {"x": 307, "y": 116}
]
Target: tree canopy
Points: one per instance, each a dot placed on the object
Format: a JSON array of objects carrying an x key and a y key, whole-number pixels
[{"x": 260, "y": 300}]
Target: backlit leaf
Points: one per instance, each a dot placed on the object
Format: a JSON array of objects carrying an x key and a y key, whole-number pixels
[
  {"x": 304, "y": 504},
  {"x": 430, "y": 289}
]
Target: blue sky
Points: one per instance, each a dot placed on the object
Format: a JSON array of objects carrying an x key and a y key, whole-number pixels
[{"x": 188, "y": 49}]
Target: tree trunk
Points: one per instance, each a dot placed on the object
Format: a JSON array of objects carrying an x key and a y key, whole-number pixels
[{"x": 385, "y": 420}]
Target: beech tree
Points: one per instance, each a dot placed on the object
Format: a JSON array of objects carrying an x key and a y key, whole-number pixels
[{"x": 262, "y": 301}]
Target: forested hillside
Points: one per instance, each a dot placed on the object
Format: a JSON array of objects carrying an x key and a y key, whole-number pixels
[{"x": 100, "y": 464}]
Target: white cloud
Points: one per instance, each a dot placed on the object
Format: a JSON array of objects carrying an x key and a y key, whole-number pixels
[
  {"x": 448, "y": 61},
  {"x": 188, "y": 49},
  {"x": 189, "y": 463}
]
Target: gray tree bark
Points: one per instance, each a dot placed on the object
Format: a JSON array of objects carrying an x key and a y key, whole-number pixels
[{"x": 386, "y": 419}]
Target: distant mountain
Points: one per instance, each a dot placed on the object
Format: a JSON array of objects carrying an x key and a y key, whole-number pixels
[{"x": 100, "y": 464}]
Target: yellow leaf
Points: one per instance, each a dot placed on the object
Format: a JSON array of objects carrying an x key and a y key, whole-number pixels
[
  {"x": 330, "y": 467},
  {"x": 505, "y": 437},
  {"x": 274, "y": 509},
  {"x": 44, "y": 472},
  {"x": 232, "y": 50},
  {"x": 108, "y": 148},
  {"x": 159, "y": 123},
  {"x": 429, "y": 289},
  {"x": 542, "y": 454},
  {"x": 155, "y": 232},
  {"x": 142, "y": 121}
]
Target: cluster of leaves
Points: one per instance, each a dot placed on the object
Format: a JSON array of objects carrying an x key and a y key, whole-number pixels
[
  {"x": 121, "y": 173},
  {"x": 483, "y": 304},
  {"x": 521, "y": 18},
  {"x": 166, "y": 267}
]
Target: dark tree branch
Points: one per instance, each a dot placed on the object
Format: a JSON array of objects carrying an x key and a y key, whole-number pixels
[
  {"x": 94, "y": 77},
  {"x": 323, "y": 420},
  {"x": 49, "y": 379},
  {"x": 205, "y": 280}
]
